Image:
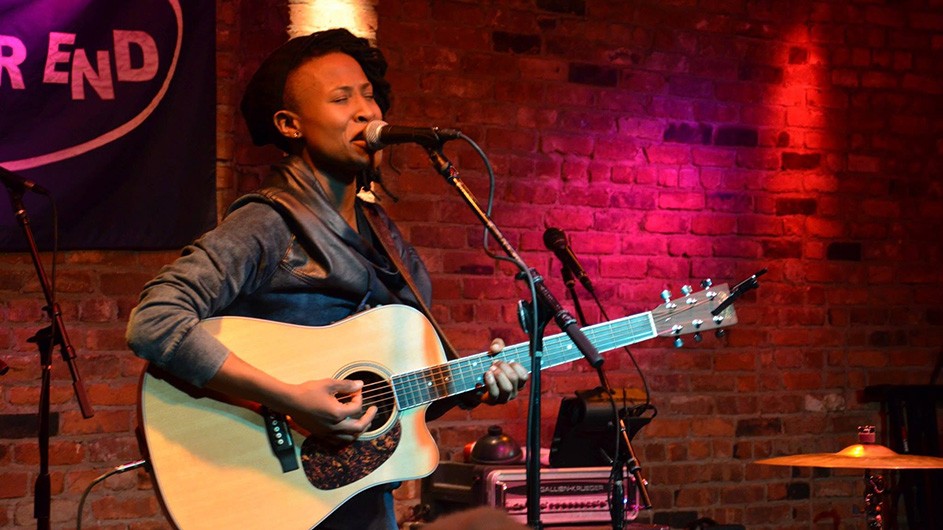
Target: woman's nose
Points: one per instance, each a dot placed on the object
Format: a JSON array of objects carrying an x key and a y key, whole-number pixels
[{"x": 367, "y": 110}]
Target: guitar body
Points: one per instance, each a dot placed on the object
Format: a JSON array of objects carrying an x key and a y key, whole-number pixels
[{"x": 212, "y": 463}]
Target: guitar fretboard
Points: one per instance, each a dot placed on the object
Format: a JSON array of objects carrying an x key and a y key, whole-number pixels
[{"x": 419, "y": 387}]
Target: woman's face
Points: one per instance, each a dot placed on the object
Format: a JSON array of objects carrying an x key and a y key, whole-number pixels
[{"x": 330, "y": 102}]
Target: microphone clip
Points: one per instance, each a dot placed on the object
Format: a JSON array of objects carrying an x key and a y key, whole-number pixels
[{"x": 19, "y": 185}]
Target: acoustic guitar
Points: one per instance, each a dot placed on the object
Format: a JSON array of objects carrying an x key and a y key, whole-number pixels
[{"x": 212, "y": 458}]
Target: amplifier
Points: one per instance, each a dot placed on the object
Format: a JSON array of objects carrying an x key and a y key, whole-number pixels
[{"x": 567, "y": 495}]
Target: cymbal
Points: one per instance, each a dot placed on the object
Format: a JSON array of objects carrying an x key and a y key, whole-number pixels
[{"x": 858, "y": 456}]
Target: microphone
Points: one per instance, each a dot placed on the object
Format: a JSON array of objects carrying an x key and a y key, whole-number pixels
[
  {"x": 18, "y": 184},
  {"x": 380, "y": 134},
  {"x": 555, "y": 240}
]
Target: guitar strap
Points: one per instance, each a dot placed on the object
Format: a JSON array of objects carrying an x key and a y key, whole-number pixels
[{"x": 386, "y": 240}]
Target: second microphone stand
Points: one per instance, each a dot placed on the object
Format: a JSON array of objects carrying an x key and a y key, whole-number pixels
[
  {"x": 46, "y": 340},
  {"x": 629, "y": 461},
  {"x": 542, "y": 309}
]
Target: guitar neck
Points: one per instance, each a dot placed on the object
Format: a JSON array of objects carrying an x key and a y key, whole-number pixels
[{"x": 419, "y": 387}]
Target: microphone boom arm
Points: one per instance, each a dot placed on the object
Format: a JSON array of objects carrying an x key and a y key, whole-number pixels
[
  {"x": 445, "y": 168},
  {"x": 564, "y": 320}
]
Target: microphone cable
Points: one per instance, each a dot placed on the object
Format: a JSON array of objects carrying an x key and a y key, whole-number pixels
[{"x": 117, "y": 470}]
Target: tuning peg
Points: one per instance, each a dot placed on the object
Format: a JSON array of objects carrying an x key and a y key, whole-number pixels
[
  {"x": 679, "y": 342},
  {"x": 706, "y": 282},
  {"x": 720, "y": 333},
  {"x": 686, "y": 290},
  {"x": 698, "y": 337},
  {"x": 666, "y": 296}
]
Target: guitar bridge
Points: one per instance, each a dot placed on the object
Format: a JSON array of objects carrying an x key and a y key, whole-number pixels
[{"x": 279, "y": 438}]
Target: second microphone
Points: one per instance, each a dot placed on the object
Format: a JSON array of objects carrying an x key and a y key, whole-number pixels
[{"x": 556, "y": 242}]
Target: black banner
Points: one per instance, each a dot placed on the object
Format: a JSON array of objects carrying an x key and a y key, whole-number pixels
[{"x": 110, "y": 105}]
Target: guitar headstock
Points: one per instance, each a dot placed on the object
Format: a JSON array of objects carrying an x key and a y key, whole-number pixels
[{"x": 692, "y": 313}]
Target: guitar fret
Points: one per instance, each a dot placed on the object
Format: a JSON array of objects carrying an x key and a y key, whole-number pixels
[
  {"x": 439, "y": 383},
  {"x": 414, "y": 390},
  {"x": 424, "y": 382},
  {"x": 400, "y": 391},
  {"x": 435, "y": 382}
]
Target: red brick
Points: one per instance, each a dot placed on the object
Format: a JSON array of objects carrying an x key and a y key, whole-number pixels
[
  {"x": 124, "y": 508},
  {"x": 734, "y": 361},
  {"x": 668, "y": 154},
  {"x": 681, "y": 201},
  {"x": 24, "y": 310},
  {"x": 107, "y": 339},
  {"x": 14, "y": 485},
  {"x": 567, "y": 144},
  {"x": 104, "y": 421},
  {"x": 579, "y": 195},
  {"x": 691, "y": 405},
  {"x": 802, "y": 380},
  {"x": 125, "y": 283},
  {"x": 689, "y": 496},
  {"x": 667, "y": 428},
  {"x": 665, "y": 223},
  {"x": 97, "y": 310}
]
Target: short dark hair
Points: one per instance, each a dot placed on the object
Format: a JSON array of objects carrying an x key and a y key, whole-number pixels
[{"x": 264, "y": 94}]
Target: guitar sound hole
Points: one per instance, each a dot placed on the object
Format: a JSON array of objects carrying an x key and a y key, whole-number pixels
[{"x": 376, "y": 392}]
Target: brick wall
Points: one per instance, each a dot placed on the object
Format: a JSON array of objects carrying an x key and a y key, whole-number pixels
[{"x": 671, "y": 141}]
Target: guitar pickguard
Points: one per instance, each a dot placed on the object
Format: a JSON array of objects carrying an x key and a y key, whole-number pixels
[{"x": 333, "y": 467}]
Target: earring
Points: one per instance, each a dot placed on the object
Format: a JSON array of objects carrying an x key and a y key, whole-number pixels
[{"x": 297, "y": 134}]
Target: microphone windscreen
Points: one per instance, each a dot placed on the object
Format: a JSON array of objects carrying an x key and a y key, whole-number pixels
[
  {"x": 554, "y": 238},
  {"x": 372, "y": 134}
]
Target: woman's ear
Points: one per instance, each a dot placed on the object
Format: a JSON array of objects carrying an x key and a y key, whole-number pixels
[{"x": 286, "y": 122}]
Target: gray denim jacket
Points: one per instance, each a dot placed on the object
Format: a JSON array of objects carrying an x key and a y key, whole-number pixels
[{"x": 252, "y": 264}]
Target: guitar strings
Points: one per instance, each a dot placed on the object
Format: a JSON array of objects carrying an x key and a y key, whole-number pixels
[
  {"x": 434, "y": 381},
  {"x": 380, "y": 393}
]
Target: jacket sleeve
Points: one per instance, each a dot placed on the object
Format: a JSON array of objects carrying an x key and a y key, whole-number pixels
[{"x": 237, "y": 256}]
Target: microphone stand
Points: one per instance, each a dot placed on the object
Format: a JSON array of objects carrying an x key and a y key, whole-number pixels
[
  {"x": 45, "y": 339},
  {"x": 570, "y": 282},
  {"x": 634, "y": 467},
  {"x": 545, "y": 306},
  {"x": 617, "y": 498},
  {"x": 620, "y": 463}
]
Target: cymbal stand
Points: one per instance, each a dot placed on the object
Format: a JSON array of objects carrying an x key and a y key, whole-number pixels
[
  {"x": 874, "y": 484},
  {"x": 874, "y": 488}
]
